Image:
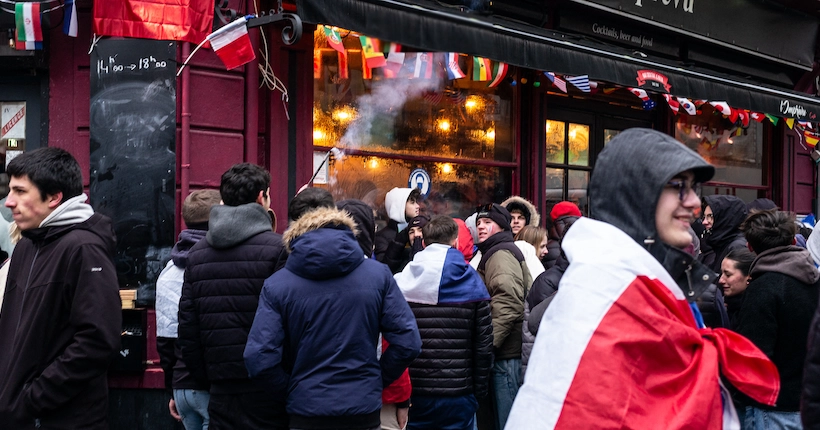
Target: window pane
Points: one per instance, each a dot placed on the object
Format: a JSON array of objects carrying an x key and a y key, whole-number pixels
[
  {"x": 578, "y": 182},
  {"x": 555, "y": 141},
  {"x": 610, "y": 134},
  {"x": 456, "y": 189},
  {"x": 554, "y": 180},
  {"x": 579, "y": 145},
  {"x": 736, "y": 153}
]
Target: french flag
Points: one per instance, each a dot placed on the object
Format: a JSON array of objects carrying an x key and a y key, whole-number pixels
[
  {"x": 70, "y": 18},
  {"x": 619, "y": 347},
  {"x": 232, "y": 44},
  {"x": 437, "y": 275}
]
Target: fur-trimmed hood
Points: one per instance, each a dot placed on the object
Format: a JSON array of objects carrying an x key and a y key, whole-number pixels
[
  {"x": 535, "y": 217},
  {"x": 323, "y": 245}
]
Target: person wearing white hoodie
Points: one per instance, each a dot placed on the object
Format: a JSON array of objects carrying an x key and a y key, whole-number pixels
[{"x": 401, "y": 204}]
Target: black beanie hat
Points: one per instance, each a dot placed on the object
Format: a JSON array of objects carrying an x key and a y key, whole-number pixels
[
  {"x": 418, "y": 221},
  {"x": 497, "y": 213}
]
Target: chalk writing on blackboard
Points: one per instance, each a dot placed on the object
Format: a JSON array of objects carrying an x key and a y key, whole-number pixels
[{"x": 111, "y": 65}]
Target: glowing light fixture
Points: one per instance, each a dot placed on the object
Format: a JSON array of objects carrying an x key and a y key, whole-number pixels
[
  {"x": 344, "y": 114},
  {"x": 491, "y": 134},
  {"x": 444, "y": 125},
  {"x": 573, "y": 133},
  {"x": 474, "y": 103},
  {"x": 318, "y": 134},
  {"x": 373, "y": 163},
  {"x": 446, "y": 168}
]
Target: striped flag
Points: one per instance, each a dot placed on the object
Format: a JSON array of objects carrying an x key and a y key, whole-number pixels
[
  {"x": 343, "y": 70},
  {"x": 333, "y": 39},
  {"x": 424, "y": 65},
  {"x": 481, "y": 69},
  {"x": 70, "y": 18},
  {"x": 580, "y": 82},
  {"x": 687, "y": 105},
  {"x": 640, "y": 93},
  {"x": 371, "y": 49},
  {"x": 27, "y": 18},
  {"x": 453, "y": 69},
  {"x": 722, "y": 107},
  {"x": 672, "y": 102},
  {"x": 232, "y": 44},
  {"x": 557, "y": 81},
  {"x": 500, "y": 73},
  {"x": 623, "y": 348}
]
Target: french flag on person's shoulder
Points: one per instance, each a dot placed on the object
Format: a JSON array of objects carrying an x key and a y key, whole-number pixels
[
  {"x": 438, "y": 275},
  {"x": 232, "y": 44},
  {"x": 619, "y": 347}
]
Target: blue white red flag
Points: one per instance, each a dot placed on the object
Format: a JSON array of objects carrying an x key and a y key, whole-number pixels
[
  {"x": 439, "y": 274},
  {"x": 619, "y": 347},
  {"x": 557, "y": 81},
  {"x": 70, "y": 18},
  {"x": 232, "y": 44},
  {"x": 453, "y": 69}
]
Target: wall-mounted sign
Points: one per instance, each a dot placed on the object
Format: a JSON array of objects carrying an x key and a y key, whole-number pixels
[
  {"x": 621, "y": 31},
  {"x": 420, "y": 179},
  {"x": 653, "y": 80}
]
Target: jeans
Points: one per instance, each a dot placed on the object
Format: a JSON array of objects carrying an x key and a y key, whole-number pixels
[
  {"x": 443, "y": 413},
  {"x": 506, "y": 380},
  {"x": 759, "y": 419},
  {"x": 192, "y": 406}
]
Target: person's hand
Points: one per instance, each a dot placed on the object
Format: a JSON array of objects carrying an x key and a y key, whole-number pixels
[
  {"x": 172, "y": 406},
  {"x": 401, "y": 416}
]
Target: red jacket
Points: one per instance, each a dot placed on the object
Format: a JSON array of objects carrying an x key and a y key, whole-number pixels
[{"x": 399, "y": 390}]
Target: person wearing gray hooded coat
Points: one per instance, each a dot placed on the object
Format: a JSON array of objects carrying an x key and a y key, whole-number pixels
[{"x": 627, "y": 273}]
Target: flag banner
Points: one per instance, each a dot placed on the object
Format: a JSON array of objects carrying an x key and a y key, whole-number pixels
[
  {"x": 773, "y": 119},
  {"x": 744, "y": 117},
  {"x": 610, "y": 90},
  {"x": 757, "y": 116},
  {"x": 616, "y": 303},
  {"x": 424, "y": 65},
  {"x": 343, "y": 70},
  {"x": 439, "y": 275},
  {"x": 27, "y": 18},
  {"x": 333, "y": 39},
  {"x": 722, "y": 107},
  {"x": 500, "y": 73},
  {"x": 392, "y": 47},
  {"x": 232, "y": 44},
  {"x": 580, "y": 82},
  {"x": 367, "y": 71},
  {"x": 593, "y": 87},
  {"x": 70, "y": 18},
  {"x": 317, "y": 64},
  {"x": 453, "y": 69},
  {"x": 812, "y": 137},
  {"x": 640, "y": 93},
  {"x": 371, "y": 50},
  {"x": 481, "y": 69},
  {"x": 557, "y": 81},
  {"x": 188, "y": 21},
  {"x": 672, "y": 102},
  {"x": 789, "y": 122},
  {"x": 687, "y": 105},
  {"x": 733, "y": 115},
  {"x": 26, "y": 46},
  {"x": 395, "y": 61}
]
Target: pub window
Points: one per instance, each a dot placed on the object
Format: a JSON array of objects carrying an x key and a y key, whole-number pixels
[
  {"x": 567, "y": 163},
  {"x": 391, "y": 121}
]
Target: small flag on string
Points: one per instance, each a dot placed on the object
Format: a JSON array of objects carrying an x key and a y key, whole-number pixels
[
  {"x": 70, "y": 18},
  {"x": 812, "y": 137},
  {"x": 744, "y": 117},
  {"x": 344, "y": 72},
  {"x": 500, "y": 73},
  {"x": 557, "y": 81},
  {"x": 672, "y": 102},
  {"x": 333, "y": 39},
  {"x": 27, "y": 19},
  {"x": 371, "y": 50},
  {"x": 734, "y": 114},
  {"x": 481, "y": 69},
  {"x": 453, "y": 69},
  {"x": 640, "y": 93},
  {"x": 232, "y": 44},
  {"x": 610, "y": 90},
  {"x": 593, "y": 87},
  {"x": 687, "y": 105},
  {"x": 395, "y": 61},
  {"x": 424, "y": 65},
  {"x": 722, "y": 107},
  {"x": 789, "y": 122},
  {"x": 580, "y": 82},
  {"x": 367, "y": 71},
  {"x": 772, "y": 118},
  {"x": 757, "y": 116}
]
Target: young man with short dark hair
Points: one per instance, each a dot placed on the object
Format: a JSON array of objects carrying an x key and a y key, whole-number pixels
[
  {"x": 308, "y": 200},
  {"x": 452, "y": 308},
  {"x": 61, "y": 320},
  {"x": 621, "y": 344},
  {"x": 222, "y": 282},
  {"x": 777, "y": 310}
]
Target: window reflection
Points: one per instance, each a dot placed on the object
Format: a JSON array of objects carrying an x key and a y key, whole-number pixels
[
  {"x": 555, "y": 141},
  {"x": 578, "y": 182},
  {"x": 579, "y": 144},
  {"x": 554, "y": 181}
]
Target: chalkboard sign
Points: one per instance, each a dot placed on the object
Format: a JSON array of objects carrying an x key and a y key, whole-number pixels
[{"x": 133, "y": 164}]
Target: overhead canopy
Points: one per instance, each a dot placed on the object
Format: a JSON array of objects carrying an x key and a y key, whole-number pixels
[{"x": 438, "y": 28}]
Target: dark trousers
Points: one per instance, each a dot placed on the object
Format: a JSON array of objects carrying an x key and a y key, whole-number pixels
[
  {"x": 246, "y": 411},
  {"x": 442, "y": 413}
]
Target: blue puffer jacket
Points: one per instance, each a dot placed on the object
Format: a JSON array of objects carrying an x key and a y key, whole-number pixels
[{"x": 314, "y": 338}]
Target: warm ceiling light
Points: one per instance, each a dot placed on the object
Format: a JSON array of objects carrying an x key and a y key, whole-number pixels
[
  {"x": 447, "y": 168},
  {"x": 491, "y": 134},
  {"x": 318, "y": 134},
  {"x": 444, "y": 125},
  {"x": 373, "y": 163}
]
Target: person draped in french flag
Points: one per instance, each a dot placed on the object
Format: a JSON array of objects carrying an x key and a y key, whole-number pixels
[{"x": 622, "y": 345}]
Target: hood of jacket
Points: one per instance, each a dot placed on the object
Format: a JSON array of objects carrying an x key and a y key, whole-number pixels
[
  {"x": 789, "y": 260},
  {"x": 362, "y": 215},
  {"x": 535, "y": 218},
  {"x": 73, "y": 211},
  {"x": 231, "y": 225},
  {"x": 630, "y": 175},
  {"x": 813, "y": 245},
  {"x": 187, "y": 239},
  {"x": 75, "y": 216},
  {"x": 323, "y": 245},
  {"x": 729, "y": 212},
  {"x": 395, "y": 202}
]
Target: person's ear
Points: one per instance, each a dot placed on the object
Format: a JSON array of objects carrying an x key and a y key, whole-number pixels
[
  {"x": 749, "y": 245},
  {"x": 55, "y": 199},
  {"x": 794, "y": 241}
]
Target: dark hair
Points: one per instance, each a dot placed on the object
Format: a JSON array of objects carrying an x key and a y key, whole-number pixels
[
  {"x": 242, "y": 183},
  {"x": 308, "y": 200},
  {"x": 196, "y": 208},
  {"x": 441, "y": 229},
  {"x": 743, "y": 259},
  {"x": 769, "y": 229},
  {"x": 51, "y": 170},
  {"x": 414, "y": 196}
]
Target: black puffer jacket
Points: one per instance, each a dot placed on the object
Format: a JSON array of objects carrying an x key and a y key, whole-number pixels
[
  {"x": 457, "y": 346},
  {"x": 220, "y": 295}
]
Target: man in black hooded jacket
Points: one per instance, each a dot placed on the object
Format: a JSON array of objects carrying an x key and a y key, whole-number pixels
[{"x": 722, "y": 216}]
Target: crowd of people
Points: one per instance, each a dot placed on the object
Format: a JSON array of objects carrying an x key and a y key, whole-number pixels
[{"x": 659, "y": 310}]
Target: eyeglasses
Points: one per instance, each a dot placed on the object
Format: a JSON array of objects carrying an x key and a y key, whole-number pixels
[{"x": 683, "y": 187}]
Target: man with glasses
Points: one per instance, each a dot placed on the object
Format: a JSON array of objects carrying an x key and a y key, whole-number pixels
[{"x": 622, "y": 344}]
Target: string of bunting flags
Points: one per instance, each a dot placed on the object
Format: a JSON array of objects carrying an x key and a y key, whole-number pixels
[{"x": 28, "y": 20}]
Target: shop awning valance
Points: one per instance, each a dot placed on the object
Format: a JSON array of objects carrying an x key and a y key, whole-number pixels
[{"x": 430, "y": 26}]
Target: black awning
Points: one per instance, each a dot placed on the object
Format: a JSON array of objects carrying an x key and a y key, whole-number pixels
[{"x": 435, "y": 27}]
